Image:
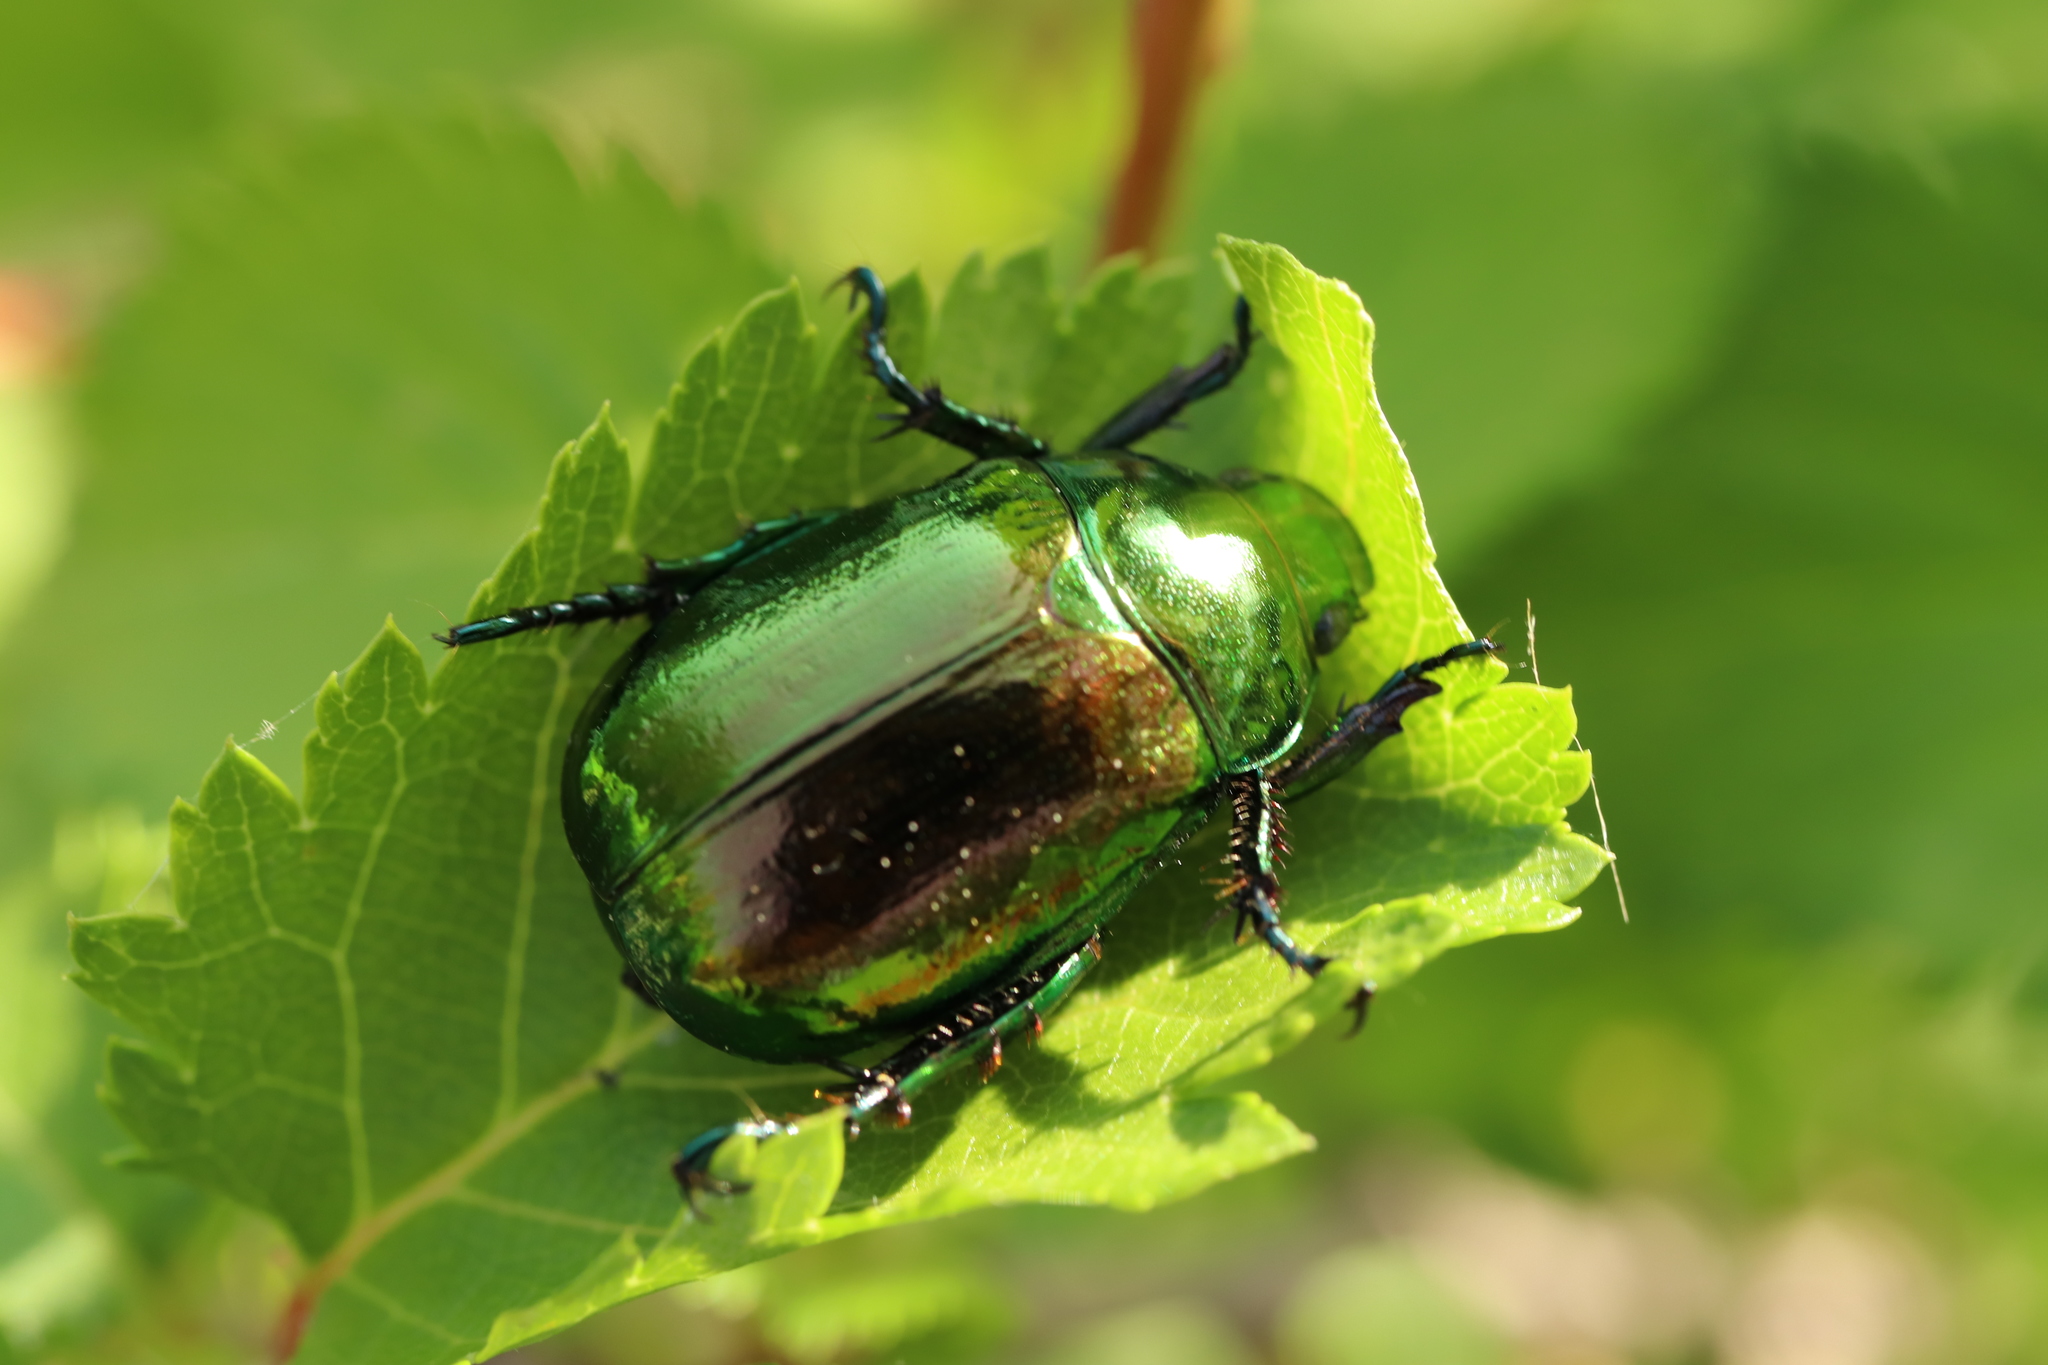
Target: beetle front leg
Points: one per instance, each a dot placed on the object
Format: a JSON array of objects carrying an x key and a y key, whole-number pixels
[
  {"x": 1255, "y": 838},
  {"x": 1362, "y": 728},
  {"x": 1254, "y": 887}
]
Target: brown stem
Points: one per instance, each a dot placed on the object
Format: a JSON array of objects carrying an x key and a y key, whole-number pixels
[{"x": 1173, "y": 43}]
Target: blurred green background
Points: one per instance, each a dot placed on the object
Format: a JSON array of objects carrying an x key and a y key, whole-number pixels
[{"x": 1718, "y": 329}]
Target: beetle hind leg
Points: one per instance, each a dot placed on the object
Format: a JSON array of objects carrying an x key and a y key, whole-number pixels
[
  {"x": 617, "y": 602},
  {"x": 971, "y": 1036},
  {"x": 669, "y": 582}
]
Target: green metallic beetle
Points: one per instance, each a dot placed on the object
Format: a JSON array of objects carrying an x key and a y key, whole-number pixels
[{"x": 886, "y": 771}]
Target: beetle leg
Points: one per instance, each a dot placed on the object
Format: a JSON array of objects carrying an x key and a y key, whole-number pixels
[
  {"x": 616, "y": 602},
  {"x": 929, "y": 410},
  {"x": 1361, "y": 728},
  {"x": 846, "y": 1069},
  {"x": 1161, "y": 403},
  {"x": 974, "y": 1035},
  {"x": 1254, "y": 889},
  {"x": 669, "y": 582}
]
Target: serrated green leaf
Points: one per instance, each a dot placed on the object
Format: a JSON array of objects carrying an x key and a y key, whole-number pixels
[
  {"x": 332, "y": 398},
  {"x": 753, "y": 430},
  {"x": 1343, "y": 446},
  {"x": 388, "y": 1016},
  {"x": 1128, "y": 327},
  {"x": 996, "y": 333},
  {"x": 723, "y": 445}
]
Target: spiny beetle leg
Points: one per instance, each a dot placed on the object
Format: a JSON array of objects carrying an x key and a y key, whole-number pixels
[
  {"x": 973, "y": 1035},
  {"x": 1254, "y": 886},
  {"x": 1256, "y": 840}
]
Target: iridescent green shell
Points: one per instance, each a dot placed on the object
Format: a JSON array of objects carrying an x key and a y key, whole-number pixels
[{"x": 928, "y": 744}]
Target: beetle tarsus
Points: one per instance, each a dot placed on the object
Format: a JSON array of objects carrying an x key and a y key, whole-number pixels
[
  {"x": 928, "y": 410},
  {"x": 615, "y": 602},
  {"x": 669, "y": 582}
]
